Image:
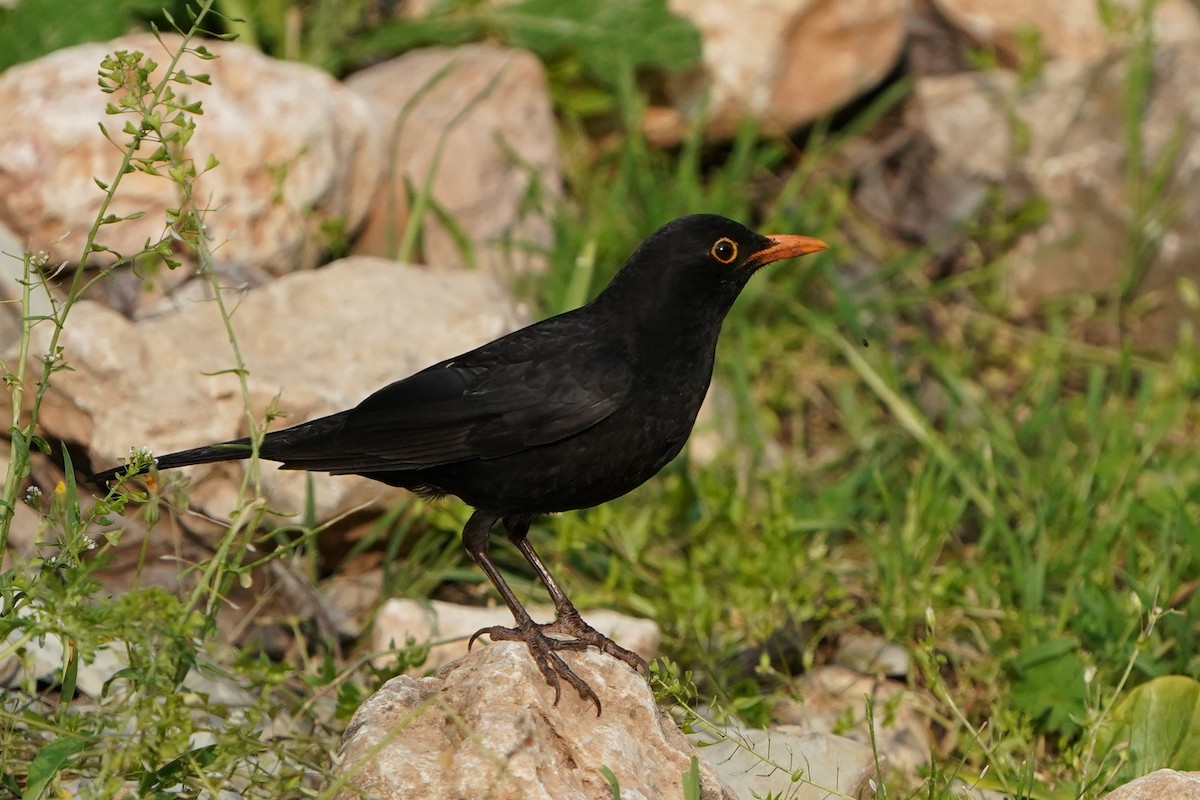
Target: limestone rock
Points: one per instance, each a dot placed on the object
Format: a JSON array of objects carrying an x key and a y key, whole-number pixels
[
  {"x": 40, "y": 659},
  {"x": 783, "y": 63},
  {"x": 12, "y": 272},
  {"x": 485, "y": 726},
  {"x": 478, "y": 118},
  {"x": 350, "y": 595},
  {"x": 1069, "y": 29},
  {"x": 831, "y": 695},
  {"x": 26, "y": 529},
  {"x": 448, "y": 626},
  {"x": 966, "y": 123},
  {"x": 1074, "y": 158},
  {"x": 935, "y": 174},
  {"x": 790, "y": 761},
  {"x": 1164, "y": 784},
  {"x": 319, "y": 340},
  {"x": 295, "y": 150},
  {"x": 872, "y": 655}
]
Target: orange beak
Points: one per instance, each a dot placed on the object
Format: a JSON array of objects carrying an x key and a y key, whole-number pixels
[{"x": 786, "y": 245}]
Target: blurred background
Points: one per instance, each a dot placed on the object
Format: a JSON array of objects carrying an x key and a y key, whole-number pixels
[{"x": 965, "y": 436}]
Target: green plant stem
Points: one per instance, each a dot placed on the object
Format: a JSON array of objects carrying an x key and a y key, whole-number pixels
[
  {"x": 908, "y": 417},
  {"x": 22, "y": 435},
  {"x": 252, "y": 476},
  {"x": 18, "y": 449},
  {"x": 420, "y": 203}
]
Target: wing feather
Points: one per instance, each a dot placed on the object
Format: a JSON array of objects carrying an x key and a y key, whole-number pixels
[{"x": 476, "y": 406}]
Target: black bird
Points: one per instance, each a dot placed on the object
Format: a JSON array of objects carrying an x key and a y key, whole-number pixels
[{"x": 566, "y": 413}]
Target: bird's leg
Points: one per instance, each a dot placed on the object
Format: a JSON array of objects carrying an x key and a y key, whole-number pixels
[
  {"x": 567, "y": 620},
  {"x": 541, "y": 646}
]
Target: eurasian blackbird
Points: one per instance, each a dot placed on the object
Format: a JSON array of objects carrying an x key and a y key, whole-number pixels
[{"x": 567, "y": 413}]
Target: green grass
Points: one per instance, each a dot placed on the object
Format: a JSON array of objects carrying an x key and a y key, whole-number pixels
[{"x": 1016, "y": 507}]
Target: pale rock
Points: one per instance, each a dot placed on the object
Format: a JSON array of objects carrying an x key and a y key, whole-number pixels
[
  {"x": 783, "y": 63},
  {"x": 953, "y": 154},
  {"x": 352, "y": 597},
  {"x": 295, "y": 147},
  {"x": 832, "y": 696},
  {"x": 26, "y": 528},
  {"x": 872, "y": 655},
  {"x": 1077, "y": 159},
  {"x": 320, "y": 341},
  {"x": 12, "y": 272},
  {"x": 486, "y": 726},
  {"x": 1071, "y": 121},
  {"x": 1067, "y": 29},
  {"x": 23, "y": 536},
  {"x": 478, "y": 117},
  {"x": 966, "y": 122},
  {"x": 448, "y": 626},
  {"x": 789, "y": 761},
  {"x": 40, "y": 659},
  {"x": 1163, "y": 784}
]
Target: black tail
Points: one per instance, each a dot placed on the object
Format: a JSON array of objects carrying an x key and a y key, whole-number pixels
[
  {"x": 301, "y": 441},
  {"x": 226, "y": 451}
]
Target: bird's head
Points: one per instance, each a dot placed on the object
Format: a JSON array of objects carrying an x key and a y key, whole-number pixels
[{"x": 700, "y": 263}]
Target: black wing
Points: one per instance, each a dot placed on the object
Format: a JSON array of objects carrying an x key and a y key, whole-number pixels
[{"x": 503, "y": 398}]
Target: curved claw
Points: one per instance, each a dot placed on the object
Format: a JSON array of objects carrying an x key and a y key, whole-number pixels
[
  {"x": 549, "y": 663},
  {"x": 573, "y": 625},
  {"x": 489, "y": 631},
  {"x": 551, "y": 676},
  {"x": 553, "y": 667}
]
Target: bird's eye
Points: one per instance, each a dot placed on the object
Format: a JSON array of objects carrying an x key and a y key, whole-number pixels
[{"x": 724, "y": 250}]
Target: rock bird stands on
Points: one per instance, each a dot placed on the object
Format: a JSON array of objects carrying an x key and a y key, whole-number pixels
[{"x": 567, "y": 413}]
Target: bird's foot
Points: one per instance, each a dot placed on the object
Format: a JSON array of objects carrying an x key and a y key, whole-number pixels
[
  {"x": 569, "y": 623},
  {"x": 542, "y": 648}
]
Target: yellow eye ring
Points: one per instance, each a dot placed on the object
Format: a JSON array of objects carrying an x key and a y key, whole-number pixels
[{"x": 724, "y": 250}]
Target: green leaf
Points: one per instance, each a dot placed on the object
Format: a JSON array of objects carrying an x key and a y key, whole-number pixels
[
  {"x": 1048, "y": 684},
  {"x": 1159, "y": 724},
  {"x": 398, "y": 36},
  {"x": 179, "y": 770},
  {"x": 349, "y": 698},
  {"x": 609, "y": 37},
  {"x": 49, "y": 760},
  {"x": 70, "y": 673},
  {"x": 30, "y": 30},
  {"x": 691, "y": 780},
  {"x": 613, "y": 784}
]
